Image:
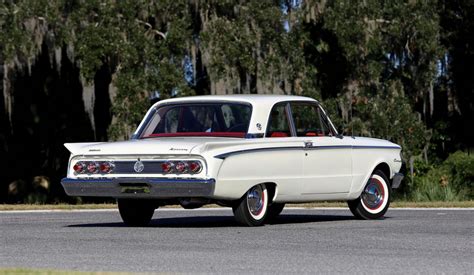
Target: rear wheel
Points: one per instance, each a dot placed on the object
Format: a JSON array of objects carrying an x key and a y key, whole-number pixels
[
  {"x": 374, "y": 200},
  {"x": 252, "y": 208},
  {"x": 136, "y": 212}
]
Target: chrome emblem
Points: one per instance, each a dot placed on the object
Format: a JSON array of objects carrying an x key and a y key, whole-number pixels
[{"x": 139, "y": 166}]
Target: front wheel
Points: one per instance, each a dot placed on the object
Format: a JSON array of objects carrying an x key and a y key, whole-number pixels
[
  {"x": 374, "y": 200},
  {"x": 252, "y": 208},
  {"x": 136, "y": 212}
]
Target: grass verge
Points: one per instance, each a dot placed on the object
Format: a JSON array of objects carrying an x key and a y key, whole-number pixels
[
  {"x": 395, "y": 204},
  {"x": 34, "y": 271},
  {"x": 16, "y": 207}
]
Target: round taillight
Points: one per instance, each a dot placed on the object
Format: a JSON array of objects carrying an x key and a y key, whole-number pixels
[
  {"x": 79, "y": 167},
  {"x": 194, "y": 167},
  {"x": 180, "y": 167},
  {"x": 166, "y": 167},
  {"x": 106, "y": 167},
  {"x": 92, "y": 167}
]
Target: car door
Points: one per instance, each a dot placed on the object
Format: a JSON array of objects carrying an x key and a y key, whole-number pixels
[
  {"x": 285, "y": 162},
  {"x": 327, "y": 161}
]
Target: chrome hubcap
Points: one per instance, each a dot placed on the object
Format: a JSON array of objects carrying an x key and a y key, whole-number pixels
[
  {"x": 373, "y": 194},
  {"x": 255, "y": 200}
]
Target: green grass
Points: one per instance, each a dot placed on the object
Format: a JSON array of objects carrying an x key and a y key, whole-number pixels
[
  {"x": 16, "y": 207},
  {"x": 25, "y": 271},
  {"x": 433, "y": 204},
  {"x": 395, "y": 204}
]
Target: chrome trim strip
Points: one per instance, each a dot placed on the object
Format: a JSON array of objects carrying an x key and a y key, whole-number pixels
[
  {"x": 291, "y": 121},
  {"x": 330, "y": 147},
  {"x": 225, "y": 155},
  {"x": 328, "y": 119},
  {"x": 376, "y": 147}
]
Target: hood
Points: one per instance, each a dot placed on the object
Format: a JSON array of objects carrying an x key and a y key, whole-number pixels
[{"x": 162, "y": 145}]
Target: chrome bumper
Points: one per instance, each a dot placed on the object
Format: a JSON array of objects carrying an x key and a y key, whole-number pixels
[
  {"x": 396, "y": 180},
  {"x": 139, "y": 187}
]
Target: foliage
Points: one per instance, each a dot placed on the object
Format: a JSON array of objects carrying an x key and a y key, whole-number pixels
[
  {"x": 141, "y": 43},
  {"x": 449, "y": 181},
  {"x": 399, "y": 70}
]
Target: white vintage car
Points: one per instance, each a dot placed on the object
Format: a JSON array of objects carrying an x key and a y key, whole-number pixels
[{"x": 253, "y": 153}]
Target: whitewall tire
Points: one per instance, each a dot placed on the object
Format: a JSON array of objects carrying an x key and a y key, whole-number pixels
[
  {"x": 252, "y": 208},
  {"x": 374, "y": 201}
]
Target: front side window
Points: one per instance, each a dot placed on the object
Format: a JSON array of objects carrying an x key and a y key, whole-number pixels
[
  {"x": 309, "y": 120},
  {"x": 278, "y": 123},
  {"x": 200, "y": 119}
]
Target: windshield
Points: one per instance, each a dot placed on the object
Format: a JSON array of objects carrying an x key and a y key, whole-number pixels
[{"x": 199, "y": 119}]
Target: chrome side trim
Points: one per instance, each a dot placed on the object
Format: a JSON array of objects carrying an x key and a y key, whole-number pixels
[
  {"x": 331, "y": 147},
  {"x": 376, "y": 147},
  {"x": 225, "y": 155}
]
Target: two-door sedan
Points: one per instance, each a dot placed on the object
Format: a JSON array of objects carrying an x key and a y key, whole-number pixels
[{"x": 253, "y": 153}]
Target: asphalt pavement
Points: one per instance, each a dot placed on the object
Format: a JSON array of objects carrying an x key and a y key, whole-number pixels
[{"x": 209, "y": 241}]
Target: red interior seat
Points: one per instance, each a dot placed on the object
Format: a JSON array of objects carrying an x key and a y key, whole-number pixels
[{"x": 279, "y": 134}]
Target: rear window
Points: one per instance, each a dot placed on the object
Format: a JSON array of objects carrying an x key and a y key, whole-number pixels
[{"x": 200, "y": 119}]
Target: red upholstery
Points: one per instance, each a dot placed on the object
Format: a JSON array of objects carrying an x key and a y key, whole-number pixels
[
  {"x": 315, "y": 134},
  {"x": 279, "y": 134}
]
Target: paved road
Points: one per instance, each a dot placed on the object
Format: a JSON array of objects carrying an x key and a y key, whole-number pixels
[{"x": 209, "y": 241}]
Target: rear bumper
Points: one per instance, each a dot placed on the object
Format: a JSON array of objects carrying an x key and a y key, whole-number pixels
[{"x": 139, "y": 187}]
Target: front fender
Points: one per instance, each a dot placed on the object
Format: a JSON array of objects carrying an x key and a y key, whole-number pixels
[{"x": 359, "y": 183}]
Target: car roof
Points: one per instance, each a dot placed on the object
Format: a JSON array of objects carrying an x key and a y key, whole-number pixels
[
  {"x": 261, "y": 105},
  {"x": 254, "y": 99}
]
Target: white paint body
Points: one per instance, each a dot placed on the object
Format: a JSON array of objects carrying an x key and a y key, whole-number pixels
[{"x": 334, "y": 168}]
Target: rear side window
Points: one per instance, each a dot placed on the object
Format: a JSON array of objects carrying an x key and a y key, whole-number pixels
[
  {"x": 278, "y": 124},
  {"x": 309, "y": 120}
]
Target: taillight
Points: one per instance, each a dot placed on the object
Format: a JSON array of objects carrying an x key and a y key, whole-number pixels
[
  {"x": 180, "y": 167},
  {"x": 194, "y": 167},
  {"x": 79, "y": 167},
  {"x": 106, "y": 167},
  {"x": 92, "y": 167},
  {"x": 167, "y": 167}
]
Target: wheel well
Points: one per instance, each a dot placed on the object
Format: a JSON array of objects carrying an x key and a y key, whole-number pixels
[
  {"x": 384, "y": 168},
  {"x": 271, "y": 188}
]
